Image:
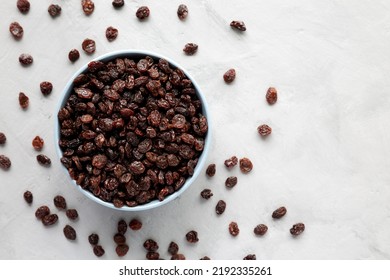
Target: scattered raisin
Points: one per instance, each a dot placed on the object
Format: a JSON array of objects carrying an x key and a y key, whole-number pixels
[
  {"x": 231, "y": 162},
  {"x": 5, "y": 162},
  {"x": 250, "y": 257},
  {"x": 173, "y": 248},
  {"x": 54, "y": 10},
  {"x": 297, "y": 229},
  {"x": 271, "y": 95},
  {"x": 210, "y": 171},
  {"x": 28, "y": 197},
  {"x": 231, "y": 181},
  {"x": 93, "y": 239},
  {"x": 37, "y": 143},
  {"x": 119, "y": 239},
  {"x": 46, "y": 88},
  {"x": 23, "y": 6},
  {"x": 43, "y": 160},
  {"x": 122, "y": 226},
  {"x": 246, "y": 165},
  {"x": 178, "y": 257},
  {"x": 42, "y": 211},
  {"x": 59, "y": 202},
  {"x": 25, "y": 59},
  {"x": 50, "y": 219},
  {"x": 121, "y": 250},
  {"x": 111, "y": 33},
  {"x": 260, "y": 229},
  {"x": 88, "y": 6},
  {"x": 150, "y": 245},
  {"x": 118, "y": 3},
  {"x": 98, "y": 250},
  {"x": 206, "y": 193},
  {"x": 182, "y": 11},
  {"x": 73, "y": 55},
  {"x": 70, "y": 232},
  {"x": 16, "y": 30},
  {"x": 239, "y": 25},
  {"x": 192, "y": 236},
  {"x": 72, "y": 214},
  {"x": 220, "y": 207},
  {"x": 89, "y": 46},
  {"x": 229, "y": 76},
  {"x": 152, "y": 255},
  {"x": 264, "y": 130},
  {"x": 279, "y": 213},
  {"x": 3, "y": 138},
  {"x": 233, "y": 229},
  {"x": 190, "y": 48},
  {"x": 23, "y": 100},
  {"x": 142, "y": 12},
  {"x": 135, "y": 224}
]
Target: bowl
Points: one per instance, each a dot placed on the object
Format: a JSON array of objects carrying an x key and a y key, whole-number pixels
[{"x": 135, "y": 55}]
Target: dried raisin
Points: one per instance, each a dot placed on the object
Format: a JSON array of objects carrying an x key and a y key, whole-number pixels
[
  {"x": 297, "y": 229},
  {"x": 233, "y": 229},
  {"x": 231, "y": 162},
  {"x": 190, "y": 48},
  {"x": 135, "y": 224},
  {"x": 72, "y": 214},
  {"x": 5, "y": 162},
  {"x": 26, "y": 59},
  {"x": 118, "y": 3},
  {"x": 70, "y": 232},
  {"x": 279, "y": 213},
  {"x": 260, "y": 229},
  {"x": 73, "y": 55},
  {"x": 122, "y": 226},
  {"x": 98, "y": 250},
  {"x": 231, "y": 181},
  {"x": 89, "y": 46},
  {"x": 150, "y": 245},
  {"x": 28, "y": 197},
  {"x": 206, "y": 193},
  {"x": 246, "y": 165},
  {"x": 173, "y": 248},
  {"x": 121, "y": 250},
  {"x": 142, "y": 12},
  {"x": 211, "y": 169},
  {"x": 93, "y": 239},
  {"x": 238, "y": 25},
  {"x": 23, "y": 6},
  {"x": 192, "y": 236},
  {"x": 54, "y": 10},
  {"x": 88, "y": 6},
  {"x": 46, "y": 87},
  {"x": 111, "y": 33},
  {"x": 59, "y": 202},
  {"x": 50, "y": 219},
  {"x": 182, "y": 11},
  {"x": 264, "y": 130},
  {"x": 229, "y": 76},
  {"x": 271, "y": 95},
  {"x": 220, "y": 207},
  {"x": 23, "y": 100},
  {"x": 42, "y": 212},
  {"x": 16, "y": 30},
  {"x": 3, "y": 138}
]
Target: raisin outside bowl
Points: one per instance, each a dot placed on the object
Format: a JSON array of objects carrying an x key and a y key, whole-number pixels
[{"x": 111, "y": 190}]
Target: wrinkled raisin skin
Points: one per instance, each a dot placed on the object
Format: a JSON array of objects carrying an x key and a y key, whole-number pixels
[
  {"x": 16, "y": 30},
  {"x": 279, "y": 213},
  {"x": 190, "y": 48},
  {"x": 192, "y": 236},
  {"x": 182, "y": 11},
  {"x": 211, "y": 169},
  {"x": 23, "y": 6},
  {"x": 135, "y": 224},
  {"x": 229, "y": 76},
  {"x": 206, "y": 194},
  {"x": 73, "y": 55},
  {"x": 260, "y": 230},
  {"x": 3, "y": 138},
  {"x": 297, "y": 229},
  {"x": 142, "y": 13},
  {"x": 231, "y": 182},
  {"x": 111, "y": 33},
  {"x": 46, "y": 87},
  {"x": 220, "y": 207},
  {"x": 93, "y": 239},
  {"x": 98, "y": 250},
  {"x": 88, "y": 6},
  {"x": 54, "y": 10},
  {"x": 271, "y": 95},
  {"x": 37, "y": 143},
  {"x": 72, "y": 214},
  {"x": 233, "y": 229},
  {"x": 28, "y": 197},
  {"x": 59, "y": 202},
  {"x": 173, "y": 248},
  {"x": 246, "y": 165},
  {"x": 23, "y": 100},
  {"x": 43, "y": 160},
  {"x": 5, "y": 162},
  {"x": 250, "y": 257},
  {"x": 264, "y": 130},
  {"x": 118, "y": 3},
  {"x": 26, "y": 59},
  {"x": 70, "y": 232},
  {"x": 89, "y": 46},
  {"x": 238, "y": 25}
]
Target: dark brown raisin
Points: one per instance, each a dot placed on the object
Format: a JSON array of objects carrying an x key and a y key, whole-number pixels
[
  {"x": 50, "y": 219},
  {"x": 23, "y": 6},
  {"x": 211, "y": 169},
  {"x": 119, "y": 239},
  {"x": 122, "y": 226},
  {"x": 73, "y": 55},
  {"x": 3, "y": 138},
  {"x": 5, "y": 162},
  {"x": 72, "y": 214},
  {"x": 297, "y": 229},
  {"x": 250, "y": 257},
  {"x": 93, "y": 239},
  {"x": 142, "y": 12},
  {"x": 246, "y": 165},
  {"x": 111, "y": 33},
  {"x": 260, "y": 229},
  {"x": 98, "y": 250},
  {"x": 37, "y": 143},
  {"x": 205, "y": 258},
  {"x": 271, "y": 95},
  {"x": 231, "y": 181},
  {"x": 190, "y": 48},
  {"x": 121, "y": 250},
  {"x": 135, "y": 224},
  {"x": 279, "y": 213},
  {"x": 231, "y": 162},
  {"x": 173, "y": 248},
  {"x": 89, "y": 46},
  {"x": 26, "y": 59},
  {"x": 206, "y": 193},
  {"x": 28, "y": 197},
  {"x": 229, "y": 76},
  {"x": 60, "y": 202},
  {"x": 238, "y": 25},
  {"x": 42, "y": 211},
  {"x": 220, "y": 207},
  {"x": 54, "y": 10},
  {"x": 46, "y": 88},
  {"x": 99, "y": 161},
  {"x": 152, "y": 256},
  {"x": 150, "y": 245},
  {"x": 178, "y": 257},
  {"x": 16, "y": 30},
  {"x": 264, "y": 130},
  {"x": 233, "y": 229},
  {"x": 70, "y": 232},
  {"x": 118, "y": 3},
  {"x": 88, "y": 6},
  {"x": 23, "y": 100},
  {"x": 192, "y": 236},
  {"x": 182, "y": 11}
]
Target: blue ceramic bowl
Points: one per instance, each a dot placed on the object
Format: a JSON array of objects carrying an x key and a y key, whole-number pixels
[{"x": 136, "y": 54}]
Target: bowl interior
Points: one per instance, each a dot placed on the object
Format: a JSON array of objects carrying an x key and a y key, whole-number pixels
[{"x": 136, "y": 54}]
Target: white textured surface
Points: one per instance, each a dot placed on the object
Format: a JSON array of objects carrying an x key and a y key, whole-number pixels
[{"x": 327, "y": 159}]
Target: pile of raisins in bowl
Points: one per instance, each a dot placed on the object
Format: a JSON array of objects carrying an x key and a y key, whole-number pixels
[{"x": 132, "y": 130}]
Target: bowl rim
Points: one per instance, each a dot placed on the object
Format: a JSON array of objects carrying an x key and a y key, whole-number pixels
[{"x": 205, "y": 111}]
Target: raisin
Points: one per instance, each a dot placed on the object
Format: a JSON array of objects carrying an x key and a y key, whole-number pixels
[
  {"x": 152, "y": 256},
  {"x": 54, "y": 10},
  {"x": 37, "y": 143},
  {"x": 88, "y": 6},
  {"x": 89, "y": 46},
  {"x": 190, "y": 48},
  {"x": 72, "y": 214},
  {"x": 233, "y": 229},
  {"x": 28, "y": 197},
  {"x": 46, "y": 88},
  {"x": 210, "y": 171},
  {"x": 206, "y": 193},
  {"x": 111, "y": 33},
  {"x": 220, "y": 207},
  {"x": 59, "y": 202},
  {"x": 231, "y": 181},
  {"x": 119, "y": 239},
  {"x": 16, "y": 30},
  {"x": 26, "y": 59},
  {"x": 23, "y": 100},
  {"x": 250, "y": 257},
  {"x": 229, "y": 76},
  {"x": 246, "y": 165},
  {"x": 99, "y": 161},
  {"x": 70, "y": 232},
  {"x": 279, "y": 213},
  {"x": 135, "y": 224},
  {"x": 205, "y": 258},
  {"x": 142, "y": 12},
  {"x": 73, "y": 55},
  {"x": 121, "y": 250},
  {"x": 260, "y": 229},
  {"x": 297, "y": 229},
  {"x": 93, "y": 239},
  {"x": 3, "y": 138},
  {"x": 42, "y": 212},
  {"x": 231, "y": 162},
  {"x": 98, "y": 250},
  {"x": 150, "y": 245},
  {"x": 264, "y": 130},
  {"x": 182, "y": 11},
  {"x": 192, "y": 236},
  {"x": 23, "y": 6},
  {"x": 178, "y": 257},
  {"x": 173, "y": 248},
  {"x": 5, "y": 162},
  {"x": 122, "y": 226},
  {"x": 238, "y": 25},
  {"x": 50, "y": 219},
  {"x": 271, "y": 95},
  {"x": 118, "y": 3}
]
